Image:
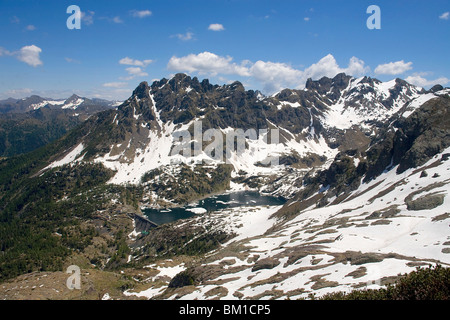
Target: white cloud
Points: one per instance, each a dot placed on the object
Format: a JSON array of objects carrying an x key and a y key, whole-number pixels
[
  {"x": 445, "y": 16},
  {"x": 207, "y": 63},
  {"x": 356, "y": 67},
  {"x": 275, "y": 75},
  {"x": 30, "y": 27},
  {"x": 328, "y": 67},
  {"x": 141, "y": 14},
  {"x": 137, "y": 69},
  {"x": 115, "y": 84},
  {"x": 184, "y": 37},
  {"x": 216, "y": 27},
  {"x": 272, "y": 75},
  {"x": 393, "y": 68},
  {"x": 306, "y": 19},
  {"x": 419, "y": 80},
  {"x": 133, "y": 62},
  {"x": 30, "y": 55},
  {"x": 136, "y": 72},
  {"x": 87, "y": 17}
]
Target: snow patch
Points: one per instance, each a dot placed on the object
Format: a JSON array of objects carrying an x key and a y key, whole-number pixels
[{"x": 69, "y": 158}]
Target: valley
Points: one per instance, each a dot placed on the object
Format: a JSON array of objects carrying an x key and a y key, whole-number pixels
[{"x": 359, "y": 194}]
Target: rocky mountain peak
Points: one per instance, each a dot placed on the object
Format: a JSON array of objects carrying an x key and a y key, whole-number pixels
[
  {"x": 436, "y": 88},
  {"x": 324, "y": 85},
  {"x": 142, "y": 91},
  {"x": 236, "y": 85},
  {"x": 370, "y": 81},
  {"x": 181, "y": 83},
  {"x": 73, "y": 97}
]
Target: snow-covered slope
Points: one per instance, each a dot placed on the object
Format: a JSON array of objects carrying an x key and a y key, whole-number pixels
[
  {"x": 386, "y": 227},
  {"x": 44, "y": 103}
]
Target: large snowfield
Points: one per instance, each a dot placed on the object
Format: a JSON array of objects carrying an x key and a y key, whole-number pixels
[{"x": 318, "y": 250}]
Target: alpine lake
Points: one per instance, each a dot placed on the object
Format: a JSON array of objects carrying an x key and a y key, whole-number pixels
[{"x": 211, "y": 204}]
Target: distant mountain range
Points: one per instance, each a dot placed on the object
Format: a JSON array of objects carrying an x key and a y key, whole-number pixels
[
  {"x": 30, "y": 123},
  {"x": 74, "y": 102}
]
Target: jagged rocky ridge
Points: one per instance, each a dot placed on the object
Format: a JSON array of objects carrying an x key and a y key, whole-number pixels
[{"x": 327, "y": 118}]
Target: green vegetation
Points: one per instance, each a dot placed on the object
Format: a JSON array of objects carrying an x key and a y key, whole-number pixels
[
  {"x": 46, "y": 216},
  {"x": 432, "y": 283},
  {"x": 168, "y": 241},
  {"x": 22, "y": 133},
  {"x": 41, "y": 219},
  {"x": 189, "y": 183},
  {"x": 181, "y": 280},
  {"x": 121, "y": 253}
]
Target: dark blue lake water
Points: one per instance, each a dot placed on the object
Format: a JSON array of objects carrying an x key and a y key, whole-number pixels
[{"x": 223, "y": 201}]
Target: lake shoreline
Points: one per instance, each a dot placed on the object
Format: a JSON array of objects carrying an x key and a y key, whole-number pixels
[{"x": 213, "y": 202}]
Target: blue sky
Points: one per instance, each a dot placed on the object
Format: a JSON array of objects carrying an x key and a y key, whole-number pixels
[{"x": 267, "y": 45}]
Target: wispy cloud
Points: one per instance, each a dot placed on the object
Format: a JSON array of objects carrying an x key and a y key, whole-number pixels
[
  {"x": 134, "y": 62},
  {"x": 4, "y": 52},
  {"x": 30, "y": 27},
  {"x": 70, "y": 60},
  {"x": 87, "y": 17},
  {"x": 141, "y": 13},
  {"x": 16, "y": 93},
  {"x": 115, "y": 84},
  {"x": 136, "y": 72},
  {"x": 136, "y": 69},
  {"x": 184, "y": 36},
  {"x": 445, "y": 15},
  {"x": 15, "y": 20},
  {"x": 117, "y": 20},
  {"x": 216, "y": 27}
]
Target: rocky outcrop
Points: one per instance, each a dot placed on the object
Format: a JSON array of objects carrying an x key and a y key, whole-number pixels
[{"x": 423, "y": 134}]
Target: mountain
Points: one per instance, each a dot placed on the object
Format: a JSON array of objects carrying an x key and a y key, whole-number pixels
[
  {"x": 74, "y": 102},
  {"x": 315, "y": 124},
  {"x": 362, "y": 165},
  {"x": 24, "y": 132},
  {"x": 30, "y": 123}
]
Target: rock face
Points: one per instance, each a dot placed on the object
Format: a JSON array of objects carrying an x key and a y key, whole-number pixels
[
  {"x": 412, "y": 141},
  {"x": 375, "y": 124},
  {"x": 423, "y": 134},
  {"x": 329, "y": 116}
]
